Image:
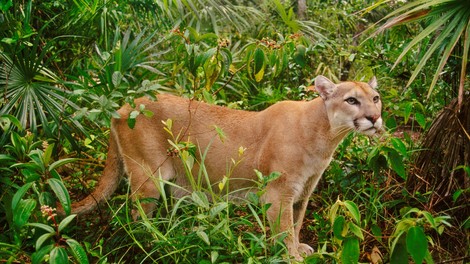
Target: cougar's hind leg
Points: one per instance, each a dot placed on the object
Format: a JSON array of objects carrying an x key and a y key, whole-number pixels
[{"x": 146, "y": 182}]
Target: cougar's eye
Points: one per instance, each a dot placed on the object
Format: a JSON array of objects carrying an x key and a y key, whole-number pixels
[
  {"x": 352, "y": 101},
  {"x": 376, "y": 99}
]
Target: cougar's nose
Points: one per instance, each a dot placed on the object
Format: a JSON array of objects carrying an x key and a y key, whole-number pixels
[{"x": 373, "y": 118}]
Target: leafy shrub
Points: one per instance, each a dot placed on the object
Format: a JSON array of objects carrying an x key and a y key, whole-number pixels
[{"x": 35, "y": 182}]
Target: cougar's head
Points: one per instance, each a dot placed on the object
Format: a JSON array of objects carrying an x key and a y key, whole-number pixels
[{"x": 351, "y": 106}]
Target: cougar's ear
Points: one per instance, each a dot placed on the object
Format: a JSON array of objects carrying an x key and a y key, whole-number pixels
[
  {"x": 324, "y": 86},
  {"x": 373, "y": 82}
]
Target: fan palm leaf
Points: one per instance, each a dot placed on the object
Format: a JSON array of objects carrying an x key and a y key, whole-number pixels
[
  {"x": 31, "y": 92},
  {"x": 448, "y": 24},
  {"x": 218, "y": 14}
]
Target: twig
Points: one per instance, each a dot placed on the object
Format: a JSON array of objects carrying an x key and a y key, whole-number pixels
[
  {"x": 454, "y": 260},
  {"x": 230, "y": 79}
]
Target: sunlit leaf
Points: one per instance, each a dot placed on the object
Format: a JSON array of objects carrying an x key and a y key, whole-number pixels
[
  {"x": 429, "y": 218},
  {"x": 399, "y": 145},
  {"x": 353, "y": 210},
  {"x": 200, "y": 199},
  {"x": 407, "y": 111},
  {"x": 259, "y": 75},
  {"x": 219, "y": 207},
  {"x": 421, "y": 120},
  {"x": 448, "y": 22},
  {"x": 356, "y": 230},
  {"x": 203, "y": 236}
]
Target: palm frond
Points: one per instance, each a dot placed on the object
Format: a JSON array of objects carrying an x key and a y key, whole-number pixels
[
  {"x": 33, "y": 93},
  {"x": 463, "y": 70},
  {"x": 218, "y": 15},
  {"x": 447, "y": 25}
]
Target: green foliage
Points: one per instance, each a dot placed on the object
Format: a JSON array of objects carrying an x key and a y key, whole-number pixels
[
  {"x": 202, "y": 226},
  {"x": 394, "y": 152},
  {"x": 32, "y": 90},
  {"x": 409, "y": 236},
  {"x": 345, "y": 219},
  {"x": 67, "y": 66},
  {"x": 447, "y": 23},
  {"x": 58, "y": 252},
  {"x": 36, "y": 183}
]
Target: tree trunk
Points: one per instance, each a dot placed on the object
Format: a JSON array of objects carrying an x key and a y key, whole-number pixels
[
  {"x": 301, "y": 9},
  {"x": 442, "y": 167}
]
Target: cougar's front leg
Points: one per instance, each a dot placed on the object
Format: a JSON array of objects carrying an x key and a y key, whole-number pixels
[
  {"x": 299, "y": 214},
  {"x": 281, "y": 216}
]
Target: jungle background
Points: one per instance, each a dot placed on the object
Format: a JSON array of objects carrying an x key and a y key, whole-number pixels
[{"x": 67, "y": 66}]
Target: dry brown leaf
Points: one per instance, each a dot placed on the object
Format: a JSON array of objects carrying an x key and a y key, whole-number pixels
[{"x": 376, "y": 256}]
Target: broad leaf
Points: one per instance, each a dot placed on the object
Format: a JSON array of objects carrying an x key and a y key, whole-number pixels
[
  {"x": 399, "y": 254},
  {"x": 350, "y": 254},
  {"x": 204, "y": 237},
  {"x": 58, "y": 256},
  {"x": 399, "y": 145},
  {"x": 77, "y": 251},
  {"x": 338, "y": 227},
  {"x": 66, "y": 221},
  {"x": 38, "y": 256},
  {"x": 44, "y": 227},
  {"x": 354, "y": 211},
  {"x": 259, "y": 63},
  {"x": 200, "y": 199},
  {"x": 61, "y": 162},
  {"x": 421, "y": 120},
  {"x": 356, "y": 230},
  {"x": 61, "y": 193},
  {"x": 416, "y": 243},
  {"x": 19, "y": 194},
  {"x": 396, "y": 163},
  {"x": 23, "y": 211},
  {"x": 132, "y": 118},
  {"x": 219, "y": 207},
  {"x": 42, "y": 239}
]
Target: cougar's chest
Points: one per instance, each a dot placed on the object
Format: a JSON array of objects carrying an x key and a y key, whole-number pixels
[{"x": 311, "y": 173}]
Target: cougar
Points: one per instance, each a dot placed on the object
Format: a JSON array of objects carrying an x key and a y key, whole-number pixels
[{"x": 294, "y": 138}]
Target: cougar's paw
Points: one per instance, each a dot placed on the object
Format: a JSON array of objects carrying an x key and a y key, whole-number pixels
[
  {"x": 298, "y": 258},
  {"x": 305, "y": 249}
]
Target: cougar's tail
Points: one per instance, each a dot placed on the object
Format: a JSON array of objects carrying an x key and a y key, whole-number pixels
[{"x": 108, "y": 182}]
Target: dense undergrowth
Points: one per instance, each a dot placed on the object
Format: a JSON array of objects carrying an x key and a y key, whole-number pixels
[{"x": 67, "y": 67}]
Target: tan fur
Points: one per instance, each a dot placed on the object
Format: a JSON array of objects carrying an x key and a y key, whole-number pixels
[{"x": 296, "y": 139}]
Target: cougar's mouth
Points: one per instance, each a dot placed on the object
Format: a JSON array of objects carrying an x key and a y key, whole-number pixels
[
  {"x": 367, "y": 129},
  {"x": 356, "y": 125}
]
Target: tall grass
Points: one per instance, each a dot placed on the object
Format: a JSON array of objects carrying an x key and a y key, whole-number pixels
[{"x": 203, "y": 226}]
